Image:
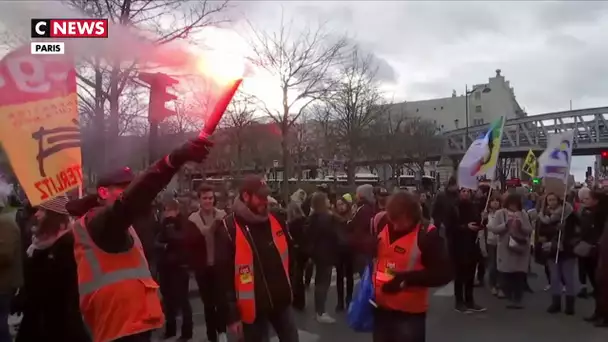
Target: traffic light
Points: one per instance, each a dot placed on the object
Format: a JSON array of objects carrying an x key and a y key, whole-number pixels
[
  {"x": 157, "y": 110},
  {"x": 604, "y": 157},
  {"x": 536, "y": 181},
  {"x": 159, "y": 84}
]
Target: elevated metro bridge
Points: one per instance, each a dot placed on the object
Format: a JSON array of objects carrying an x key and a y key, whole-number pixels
[{"x": 522, "y": 134}]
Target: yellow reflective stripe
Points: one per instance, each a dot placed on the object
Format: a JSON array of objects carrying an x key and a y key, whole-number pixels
[
  {"x": 413, "y": 255},
  {"x": 99, "y": 278},
  {"x": 245, "y": 295},
  {"x": 112, "y": 278}
]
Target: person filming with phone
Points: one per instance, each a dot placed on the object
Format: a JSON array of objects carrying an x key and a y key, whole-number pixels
[{"x": 462, "y": 232}]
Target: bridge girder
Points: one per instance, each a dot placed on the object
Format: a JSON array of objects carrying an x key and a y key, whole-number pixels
[{"x": 531, "y": 132}]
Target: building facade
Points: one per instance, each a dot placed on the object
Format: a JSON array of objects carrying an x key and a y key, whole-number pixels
[{"x": 486, "y": 102}]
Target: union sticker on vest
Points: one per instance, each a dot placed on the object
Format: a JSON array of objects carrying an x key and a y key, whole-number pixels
[
  {"x": 245, "y": 274},
  {"x": 390, "y": 268}
]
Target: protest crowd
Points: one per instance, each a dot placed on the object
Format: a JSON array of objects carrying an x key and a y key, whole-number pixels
[
  {"x": 116, "y": 263},
  {"x": 253, "y": 257}
]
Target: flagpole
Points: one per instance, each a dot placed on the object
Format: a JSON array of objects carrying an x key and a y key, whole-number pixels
[
  {"x": 561, "y": 222},
  {"x": 553, "y": 152},
  {"x": 488, "y": 199}
]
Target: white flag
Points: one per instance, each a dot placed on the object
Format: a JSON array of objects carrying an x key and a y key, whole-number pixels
[
  {"x": 556, "y": 160},
  {"x": 481, "y": 157}
]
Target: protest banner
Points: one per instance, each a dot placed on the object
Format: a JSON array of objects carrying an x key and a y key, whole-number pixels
[{"x": 39, "y": 128}]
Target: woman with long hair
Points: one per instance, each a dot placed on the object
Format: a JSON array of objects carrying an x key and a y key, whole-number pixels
[
  {"x": 557, "y": 236},
  {"x": 323, "y": 239},
  {"x": 296, "y": 222},
  {"x": 344, "y": 264},
  {"x": 462, "y": 241},
  {"x": 488, "y": 242},
  {"x": 513, "y": 227},
  {"x": 48, "y": 298}
]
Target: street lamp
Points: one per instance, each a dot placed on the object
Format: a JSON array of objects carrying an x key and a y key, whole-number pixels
[{"x": 468, "y": 92}]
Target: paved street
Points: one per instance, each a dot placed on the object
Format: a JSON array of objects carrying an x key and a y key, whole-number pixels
[{"x": 498, "y": 324}]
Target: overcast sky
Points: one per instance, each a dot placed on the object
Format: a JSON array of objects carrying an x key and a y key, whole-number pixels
[{"x": 552, "y": 52}]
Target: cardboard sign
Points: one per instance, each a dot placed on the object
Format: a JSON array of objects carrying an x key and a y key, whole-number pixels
[{"x": 39, "y": 128}]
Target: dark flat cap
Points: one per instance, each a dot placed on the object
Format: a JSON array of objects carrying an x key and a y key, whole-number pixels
[
  {"x": 118, "y": 177},
  {"x": 253, "y": 184}
]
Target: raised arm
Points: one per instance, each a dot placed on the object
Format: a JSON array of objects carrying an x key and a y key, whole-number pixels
[{"x": 111, "y": 223}]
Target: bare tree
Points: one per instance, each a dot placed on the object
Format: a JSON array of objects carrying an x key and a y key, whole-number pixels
[
  {"x": 354, "y": 106},
  {"x": 105, "y": 81},
  {"x": 301, "y": 63},
  {"x": 265, "y": 146},
  {"x": 187, "y": 119},
  {"x": 303, "y": 149},
  {"x": 422, "y": 140},
  {"x": 385, "y": 143},
  {"x": 323, "y": 129},
  {"x": 237, "y": 122}
]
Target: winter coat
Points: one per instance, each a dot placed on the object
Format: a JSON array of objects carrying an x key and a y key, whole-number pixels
[
  {"x": 206, "y": 226},
  {"x": 512, "y": 226},
  {"x": 548, "y": 233},
  {"x": 322, "y": 235},
  {"x": 272, "y": 288},
  {"x": 49, "y": 298}
]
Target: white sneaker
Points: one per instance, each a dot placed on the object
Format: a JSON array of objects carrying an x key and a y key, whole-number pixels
[
  {"x": 222, "y": 337},
  {"x": 325, "y": 318}
]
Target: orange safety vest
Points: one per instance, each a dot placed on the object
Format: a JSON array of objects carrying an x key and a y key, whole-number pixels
[
  {"x": 118, "y": 296},
  {"x": 243, "y": 266},
  {"x": 402, "y": 255}
]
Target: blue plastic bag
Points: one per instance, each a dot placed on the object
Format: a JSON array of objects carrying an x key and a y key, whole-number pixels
[{"x": 360, "y": 316}]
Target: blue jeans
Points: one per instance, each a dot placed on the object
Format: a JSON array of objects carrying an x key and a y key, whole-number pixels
[
  {"x": 5, "y": 303},
  {"x": 562, "y": 271},
  {"x": 491, "y": 266}
]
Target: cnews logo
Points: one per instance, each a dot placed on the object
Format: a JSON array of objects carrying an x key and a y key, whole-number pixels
[{"x": 69, "y": 28}]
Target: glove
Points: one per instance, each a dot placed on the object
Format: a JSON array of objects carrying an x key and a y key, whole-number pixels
[
  {"x": 395, "y": 285},
  {"x": 195, "y": 150}
]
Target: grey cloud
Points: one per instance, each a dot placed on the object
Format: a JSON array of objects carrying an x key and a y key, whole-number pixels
[
  {"x": 550, "y": 51},
  {"x": 385, "y": 72},
  {"x": 563, "y": 13}
]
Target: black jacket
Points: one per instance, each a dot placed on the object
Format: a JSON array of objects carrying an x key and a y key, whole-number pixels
[
  {"x": 109, "y": 225},
  {"x": 445, "y": 209},
  {"x": 549, "y": 232},
  {"x": 360, "y": 225},
  {"x": 591, "y": 222},
  {"x": 462, "y": 241},
  {"x": 322, "y": 237},
  {"x": 272, "y": 289},
  {"x": 49, "y": 297},
  {"x": 172, "y": 242}
]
